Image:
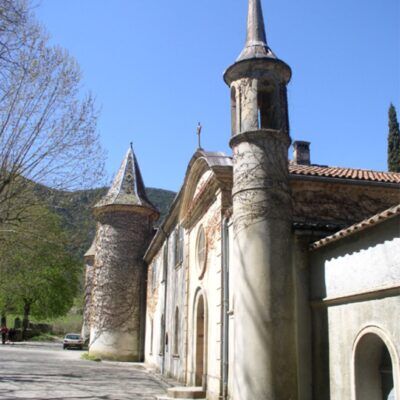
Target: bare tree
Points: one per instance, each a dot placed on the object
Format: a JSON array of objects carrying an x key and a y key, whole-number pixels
[{"x": 47, "y": 127}]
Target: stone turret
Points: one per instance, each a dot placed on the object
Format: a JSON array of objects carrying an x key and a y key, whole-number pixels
[
  {"x": 125, "y": 218},
  {"x": 263, "y": 306}
]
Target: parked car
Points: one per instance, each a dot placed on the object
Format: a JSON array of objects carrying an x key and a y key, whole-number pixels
[{"x": 73, "y": 340}]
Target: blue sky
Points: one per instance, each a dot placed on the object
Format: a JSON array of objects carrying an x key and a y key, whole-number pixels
[{"x": 155, "y": 68}]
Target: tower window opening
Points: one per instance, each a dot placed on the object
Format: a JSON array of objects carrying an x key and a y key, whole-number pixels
[
  {"x": 234, "y": 111},
  {"x": 179, "y": 246},
  {"x": 267, "y": 117}
]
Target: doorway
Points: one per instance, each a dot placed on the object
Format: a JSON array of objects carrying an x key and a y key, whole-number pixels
[
  {"x": 200, "y": 343},
  {"x": 373, "y": 369}
]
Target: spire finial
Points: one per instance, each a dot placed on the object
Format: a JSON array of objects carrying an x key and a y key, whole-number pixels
[
  {"x": 256, "y": 41},
  {"x": 199, "y": 129}
]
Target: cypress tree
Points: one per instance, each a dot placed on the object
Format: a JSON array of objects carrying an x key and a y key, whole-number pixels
[{"x": 393, "y": 141}]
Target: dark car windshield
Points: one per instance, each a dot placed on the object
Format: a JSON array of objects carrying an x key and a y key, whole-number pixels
[{"x": 74, "y": 337}]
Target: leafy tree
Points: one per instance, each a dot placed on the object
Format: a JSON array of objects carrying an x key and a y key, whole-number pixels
[
  {"x": 39, "y": 276},
  {"x": 47, "y": 126},
  {"x": 393, "y": 141}
]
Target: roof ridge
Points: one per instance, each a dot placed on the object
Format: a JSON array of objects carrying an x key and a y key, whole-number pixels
[{"x": 292, "y": 163}]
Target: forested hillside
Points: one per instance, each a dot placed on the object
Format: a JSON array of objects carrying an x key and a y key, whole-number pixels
[{"x": 75, "y": 209}]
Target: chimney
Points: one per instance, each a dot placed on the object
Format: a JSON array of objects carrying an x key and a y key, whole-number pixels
[{"x": 301, "y": 154}]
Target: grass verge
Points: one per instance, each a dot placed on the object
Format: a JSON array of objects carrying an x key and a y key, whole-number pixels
[
  {"x": 46, "y": 337},
  {"x": 88, "y": 357}
]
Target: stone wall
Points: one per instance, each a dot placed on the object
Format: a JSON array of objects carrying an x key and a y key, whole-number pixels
[
  {"x": 342, "y": 203},
  {"x": 119, "y": 275}
]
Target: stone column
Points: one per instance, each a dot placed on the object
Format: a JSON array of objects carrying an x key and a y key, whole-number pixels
[{"x": 264, "y": 331}]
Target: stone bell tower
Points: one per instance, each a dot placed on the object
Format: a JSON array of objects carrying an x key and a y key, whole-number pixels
[
  {"x": 263, "y": 305},
  {"x": 125, "y": 218}
]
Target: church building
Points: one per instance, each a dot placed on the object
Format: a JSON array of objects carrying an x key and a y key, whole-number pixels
[{"x": 269, "y": 278}]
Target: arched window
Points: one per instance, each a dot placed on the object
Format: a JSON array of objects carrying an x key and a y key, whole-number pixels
[
  {"x": 165, "y": 263},
  {"x": 234, "y": 111},
  {"x": 178, "y": 246},
  {"x": 154, "y": 275},
  {"x": 201, "y": 251},
  {"x": 373, "y": 369},
  {"x": 176, "y": 333},
  {"x": 267, "y": 115}
]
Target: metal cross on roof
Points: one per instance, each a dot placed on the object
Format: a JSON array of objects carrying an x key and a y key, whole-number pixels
[{"x": 199, "y": 128}]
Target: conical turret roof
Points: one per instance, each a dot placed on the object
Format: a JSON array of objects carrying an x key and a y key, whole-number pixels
[
  {"x": 256, "y": 42},
  {"x": 127, "y": 188}
]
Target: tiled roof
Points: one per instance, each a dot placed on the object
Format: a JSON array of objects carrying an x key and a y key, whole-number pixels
[
  {"x": 367, "y": 223},
  {"x": 344, "y": 173},
  {"x": 127, "y": 188}
]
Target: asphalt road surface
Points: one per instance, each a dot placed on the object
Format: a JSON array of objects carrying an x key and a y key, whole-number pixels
[{"x": 45, "y": 371}]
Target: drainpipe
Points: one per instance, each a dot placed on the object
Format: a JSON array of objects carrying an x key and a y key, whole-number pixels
[
  {"x": 225, "y": 308},
  {"x": 165, "y": 277}
]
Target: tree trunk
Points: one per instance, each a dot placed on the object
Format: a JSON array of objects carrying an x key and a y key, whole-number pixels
[{"x": 25, "y": 321}]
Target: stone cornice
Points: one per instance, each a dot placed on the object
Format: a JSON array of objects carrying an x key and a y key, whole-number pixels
[{"x": 260, "y": 134}]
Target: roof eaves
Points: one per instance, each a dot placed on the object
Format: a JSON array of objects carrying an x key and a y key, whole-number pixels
[{"x": 365, "y": 224}]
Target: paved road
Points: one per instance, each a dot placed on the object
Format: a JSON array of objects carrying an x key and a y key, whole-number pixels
[{"x": 45, "y": 371}]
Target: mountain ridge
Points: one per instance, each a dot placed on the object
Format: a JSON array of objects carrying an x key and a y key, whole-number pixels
[{"x": 75, "y": 210}]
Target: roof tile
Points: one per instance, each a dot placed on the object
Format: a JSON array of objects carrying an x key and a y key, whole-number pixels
[{"x": 344, "y": 173}]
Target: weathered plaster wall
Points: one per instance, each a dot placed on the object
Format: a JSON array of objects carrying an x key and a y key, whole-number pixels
[
  {"x": 358, "y": 282},
  {"x": 301, "y": 275},
  {"x": 208, "y": 285},
  {"x": 185, "y": 283},
  {"x": 264, "y": 307},
  {"x": 339, "y": 202}
]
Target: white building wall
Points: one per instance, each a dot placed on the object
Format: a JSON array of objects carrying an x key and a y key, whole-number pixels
[
  {"x": 358, "y": 281},
  {"x": 184, "y": 285},
  {"x": 209, "y": 285}
]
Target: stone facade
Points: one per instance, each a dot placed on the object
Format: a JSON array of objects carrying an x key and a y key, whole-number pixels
[{"x": 251, "y": 288}]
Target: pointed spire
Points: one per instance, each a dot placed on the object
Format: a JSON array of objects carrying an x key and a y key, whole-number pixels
[
  {"x": 256, "y": 42},
  {"x": 127, "y": 188}
]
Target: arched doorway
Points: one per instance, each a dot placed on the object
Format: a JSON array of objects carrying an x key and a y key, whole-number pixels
[
  {"x": 200, "y": 342},
  {"x": 373, "y": 369}
]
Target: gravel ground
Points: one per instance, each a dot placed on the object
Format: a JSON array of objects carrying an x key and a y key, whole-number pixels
[{"x": 45, "y": 371}]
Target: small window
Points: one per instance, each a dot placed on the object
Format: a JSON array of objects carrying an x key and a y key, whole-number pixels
[
  {"x": 201, "y": 251},
  {"x": 165, "y": 263},
  {"x": 267, "y": 118},
  {"x": 233, "y": 111},
  {"x": 178, "y": 246},
  {"x": 154, "y": 275},
  {"x": 176, "y": 333}
]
